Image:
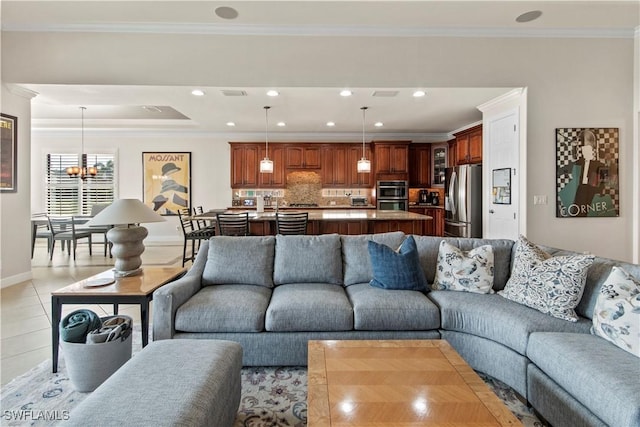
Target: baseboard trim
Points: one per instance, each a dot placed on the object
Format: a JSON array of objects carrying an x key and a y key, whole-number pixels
[{"x": 5, "y": 282}]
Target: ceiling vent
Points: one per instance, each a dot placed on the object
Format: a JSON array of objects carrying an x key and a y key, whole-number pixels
[
  {"x": 230, "y": 92},
  {"x": 385, "y": 93}
]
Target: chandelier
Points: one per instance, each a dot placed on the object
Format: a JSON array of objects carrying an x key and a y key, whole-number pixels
[{"x": 82, "y": 171}]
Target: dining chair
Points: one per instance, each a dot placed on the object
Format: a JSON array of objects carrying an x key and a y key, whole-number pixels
[
  {"x": 39, "y": 230},
  {"x": 64, "y": 229},
  {"x": 80, "y": 220},
  {"x": 192, "y": 234},
  {"x": 233, "y": 224},
  {"x": 291, "y": 222}
]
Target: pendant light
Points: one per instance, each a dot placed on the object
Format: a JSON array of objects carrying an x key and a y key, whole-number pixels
[
  {"x": 266, "y": 165},
  {"x": 364, "y": 165},
  {"x": 82, "y": 171}
]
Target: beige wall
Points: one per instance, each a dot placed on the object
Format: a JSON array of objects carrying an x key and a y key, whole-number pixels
[
  {"x": 15, "y": 231},
  {"x": 572, "y": 82}
]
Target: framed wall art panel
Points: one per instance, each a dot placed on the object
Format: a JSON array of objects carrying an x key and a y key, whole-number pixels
[
  {"x": 8, "y": 153},
  {"x": 166, "y": 181},
  {"x": 587, "y": 172}
]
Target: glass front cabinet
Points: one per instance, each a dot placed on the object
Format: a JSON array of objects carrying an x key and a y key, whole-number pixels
[{"x": 439, "y": 163}]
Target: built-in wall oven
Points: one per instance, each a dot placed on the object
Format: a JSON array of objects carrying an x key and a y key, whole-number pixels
[{"x": 392, "y": 195}]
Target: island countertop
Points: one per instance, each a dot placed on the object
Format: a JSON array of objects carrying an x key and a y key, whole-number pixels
[
  {"x": 331, "y": 215},
  {"x": 341, "y": 221}
]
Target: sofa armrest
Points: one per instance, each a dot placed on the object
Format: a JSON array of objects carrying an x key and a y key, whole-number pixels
[{"x": 168, "y": 298}]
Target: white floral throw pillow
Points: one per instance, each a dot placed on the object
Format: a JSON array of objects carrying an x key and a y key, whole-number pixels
[
  {"x": 616, "y": 316},
  {"x": 470, "y": 271},
  {"x": 552, "y": 285}
]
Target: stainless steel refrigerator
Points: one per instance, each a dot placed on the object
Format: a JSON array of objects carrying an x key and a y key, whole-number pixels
[{"x": 463, "y": 201}]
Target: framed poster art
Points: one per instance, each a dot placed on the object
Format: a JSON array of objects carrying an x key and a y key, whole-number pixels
[
  {"x": 587, "y": 172},
  {"x": 166, "y": 181},
  {"x": 8, "y": 153},
  {"x": 501, "y": 186}
]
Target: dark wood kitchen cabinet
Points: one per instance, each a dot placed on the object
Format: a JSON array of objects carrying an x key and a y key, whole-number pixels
[
  {"x": 469, "y": 146},
  {"x": 301, "y": 156},
  {"x": 334, "y": 166},
  {"x": 420, "y": 165},
  {"x": 277, "y": 179},
  {"x": 392, "y": 159},
  {"x": 245, "y": 161},
  {"x": 356, "y": 179}
]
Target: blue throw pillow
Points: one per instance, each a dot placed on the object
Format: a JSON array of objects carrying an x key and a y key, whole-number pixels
[{"x": 397, "y": 269}]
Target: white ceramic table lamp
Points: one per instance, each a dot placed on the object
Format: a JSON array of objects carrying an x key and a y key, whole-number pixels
[{"x": 126, "y": 235}]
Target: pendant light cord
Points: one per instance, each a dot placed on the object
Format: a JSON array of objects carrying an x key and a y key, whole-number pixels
[
  {"x": 364, "y": 109},
  {"x": 266, "y": 130},
  {"x": 82, "y": 137}
]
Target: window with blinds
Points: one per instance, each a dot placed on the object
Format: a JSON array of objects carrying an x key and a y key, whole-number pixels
[{"x": 74, "y": 196}]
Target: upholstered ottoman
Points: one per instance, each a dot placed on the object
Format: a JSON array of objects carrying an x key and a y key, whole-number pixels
[{"x": 169, "y": 383}]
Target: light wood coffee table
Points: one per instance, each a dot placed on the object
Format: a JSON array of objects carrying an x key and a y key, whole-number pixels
[
  {"x": 124, "y": 290},
  {"x": 399, "y": 383}
]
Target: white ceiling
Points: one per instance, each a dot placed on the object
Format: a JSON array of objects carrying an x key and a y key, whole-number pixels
[{"x": 303, "y": 109}]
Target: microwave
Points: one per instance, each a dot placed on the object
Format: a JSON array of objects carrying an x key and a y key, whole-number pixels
[{"x": 392, "y": 190}]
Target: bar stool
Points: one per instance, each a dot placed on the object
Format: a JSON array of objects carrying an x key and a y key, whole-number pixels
[{"x": 292, "y": 222}]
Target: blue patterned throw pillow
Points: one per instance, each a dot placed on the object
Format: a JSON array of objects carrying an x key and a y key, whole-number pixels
[
  {"x": 397, "y": 269},
  {"x": 458, "y": 270},
  {"x": 616, "y": 316},
  {"x": 551, "y": 285}
]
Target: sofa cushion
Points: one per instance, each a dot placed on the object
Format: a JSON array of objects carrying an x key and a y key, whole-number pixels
[
  {"x": 466, "y": 271},
  {"x": 308, "y": 259},
  {"x": 377, "y": 309},
  {"x": 355, "y": 255},
  {"x": 428, "y": 248},
  {"x": 497, "y": 318},
  {"x": 224, "y": 308},
  {"x": 596, "y": 276},
  {"x": 229, "y": 259},
  {"x": 303, "y": 307},
  {"x": 617, "y": 313},
  {"x": 601, "y": 376},
  {"x": 552, "y": 285},
  {"x": 396, "y": 269}
]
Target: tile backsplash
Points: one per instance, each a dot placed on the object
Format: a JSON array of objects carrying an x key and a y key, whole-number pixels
[{"x": 306, "y": 187}]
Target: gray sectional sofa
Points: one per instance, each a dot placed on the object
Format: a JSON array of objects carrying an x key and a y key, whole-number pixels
[{"x": 273, "y": 294}]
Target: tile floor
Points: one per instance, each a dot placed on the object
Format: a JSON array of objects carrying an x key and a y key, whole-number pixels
[{"x": 25, "y": 308}]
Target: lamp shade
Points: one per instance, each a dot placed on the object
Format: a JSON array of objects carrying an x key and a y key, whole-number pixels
[
  {"x": 266, "y": 165},
  {"x": 125, "y": 211}
]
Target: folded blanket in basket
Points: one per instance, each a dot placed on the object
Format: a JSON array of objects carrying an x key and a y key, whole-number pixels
[
  {"x": 113, "y": 328},
  {"x": 76, "y": 325}
]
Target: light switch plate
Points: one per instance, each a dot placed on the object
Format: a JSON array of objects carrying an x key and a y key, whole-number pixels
[{"x": 540, "y": 200}]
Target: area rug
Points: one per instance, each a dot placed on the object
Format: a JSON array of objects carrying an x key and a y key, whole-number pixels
[{"x": 271, "y": 397}]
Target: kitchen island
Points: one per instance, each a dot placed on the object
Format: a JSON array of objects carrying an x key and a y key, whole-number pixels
[{"x": 342, "y": 221}]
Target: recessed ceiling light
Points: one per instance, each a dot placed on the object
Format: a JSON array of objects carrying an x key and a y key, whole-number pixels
[
  {"x": 529, "y": 16},
  {"x": 281, "y": 124},
  {"x": 273, "y": 93},
  {"x": 418, "y": 93},
  {"x": 231, "y": 124},
  {"x": 346, "y": 92},
  {"x": 379, "y": 124},
  {"x": 331, "y": 124},
  {"x": 226, "y": 12},
  {"x": 197, "y": 92}
]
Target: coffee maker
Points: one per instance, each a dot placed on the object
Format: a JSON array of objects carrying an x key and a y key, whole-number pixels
[
  {"x": 423, "y": 197},
  {"x": 434, "y": 197}
]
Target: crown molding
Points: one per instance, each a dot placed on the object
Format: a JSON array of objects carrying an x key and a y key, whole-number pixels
[
  {"x": 319, "y": 30},
  {"x": 512, "y": 95},
  {"x": 275, "y": 137},
  {"x": 20, "y": 91}
]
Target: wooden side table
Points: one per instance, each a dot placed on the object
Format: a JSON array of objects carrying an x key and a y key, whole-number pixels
[{"x": 125, "y": 290}]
